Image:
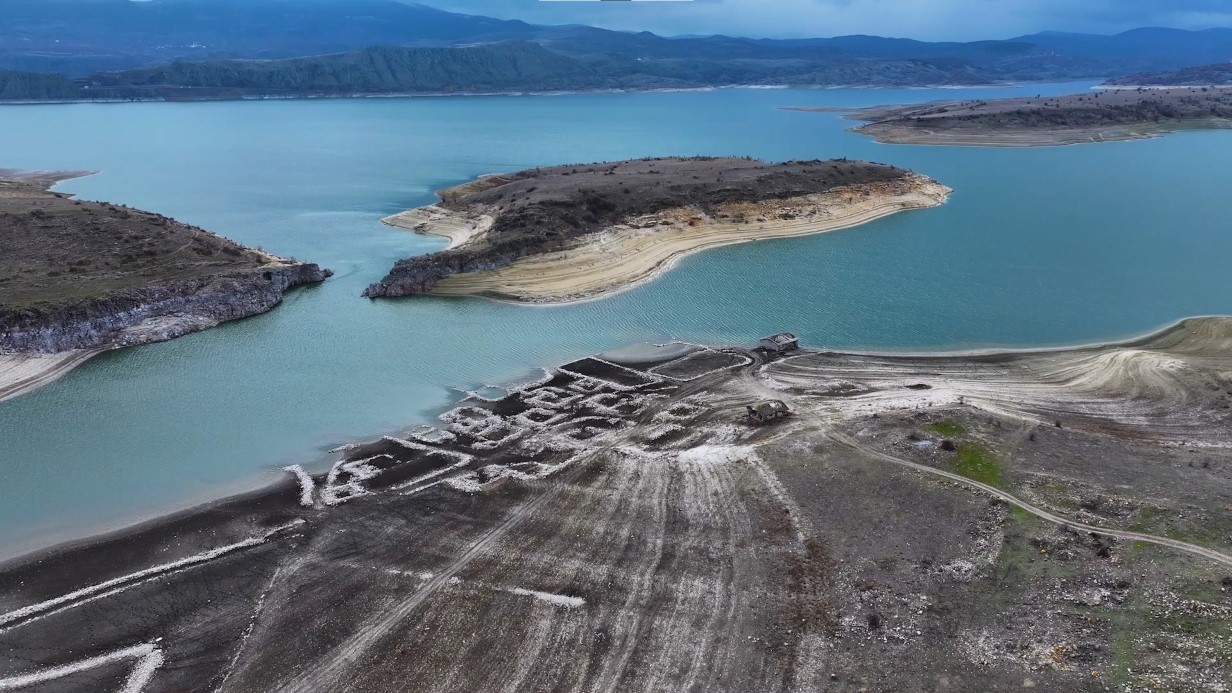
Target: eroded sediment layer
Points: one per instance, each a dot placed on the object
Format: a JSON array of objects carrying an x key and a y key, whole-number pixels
[
  {"x": 157, "y": 312},
  {"x": 569, "y": 233},
  {"x": 1055, "y": 520},
  {"x": 22, "y": 373},
  {"x": 83, "y": 276},
  {"x": 1100, "y": 116}
]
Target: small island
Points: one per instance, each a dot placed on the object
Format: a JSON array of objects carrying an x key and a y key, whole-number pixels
[
  {"x": 77, "y": 278},
  {"x": 1110, "y": 114},
  {"x": 567, "y": 233}
]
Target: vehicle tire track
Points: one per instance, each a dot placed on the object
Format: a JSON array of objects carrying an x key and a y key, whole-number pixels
[
  {"x": 328, "y": 675},
  {"x": 634, "y": 610}
]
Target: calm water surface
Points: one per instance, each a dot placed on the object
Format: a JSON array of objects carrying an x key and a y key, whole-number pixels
[{"x": 1037, "y": 246}]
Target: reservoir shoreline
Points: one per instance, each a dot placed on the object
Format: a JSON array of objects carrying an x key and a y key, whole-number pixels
[
  {"x": 78, "y": 278},
  {"x": 504, "y": 506},
  {"x": 24, "y": 373},
  {"x": 1106, "y": 115},
  {"x": 275, "y": 493},
  {"x": 589, "y": 272}
]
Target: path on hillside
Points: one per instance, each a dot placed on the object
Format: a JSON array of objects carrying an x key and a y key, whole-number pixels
[{"x": 1211, "y": 554}]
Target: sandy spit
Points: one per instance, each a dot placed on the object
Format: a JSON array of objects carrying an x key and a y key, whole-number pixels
[
  {"x": 889, "y": 133},
  {"x": 22, "y": 373}
]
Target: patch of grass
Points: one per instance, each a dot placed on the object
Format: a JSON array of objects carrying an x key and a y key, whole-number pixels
[
  {"x": 1019, "y": 514},
  {"x": 948, "y": 428},
  {"x": 1154, "y": 520},
  {"x": 1122, "y": 657},
  {"x": 87, "y": 250},
  {"x": 975, "y": 461}
]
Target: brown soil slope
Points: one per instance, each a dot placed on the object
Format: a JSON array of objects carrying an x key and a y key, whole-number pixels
[{"x": 76, "y": 274}]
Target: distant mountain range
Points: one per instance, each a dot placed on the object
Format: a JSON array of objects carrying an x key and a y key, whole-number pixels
[{"x": 226, "y": 48}]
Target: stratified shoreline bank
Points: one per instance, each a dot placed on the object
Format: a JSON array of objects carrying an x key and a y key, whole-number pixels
[
  {"x": 642, "y": 233},
  {"x": 622, "y": 258},
  {"x": 1106, "y": 115},
  {"x": 24, "y": 373},
  {"x": 110, "y": 276},
  {"x": 887, "y": 133}
]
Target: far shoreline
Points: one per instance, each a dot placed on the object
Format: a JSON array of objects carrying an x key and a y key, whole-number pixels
[
  {"x": 1025, "y": 139},
  {"x": 885, "y": 133},
  {"x": 1103, "y": 114},
  {"x": 567, "y": 92}
]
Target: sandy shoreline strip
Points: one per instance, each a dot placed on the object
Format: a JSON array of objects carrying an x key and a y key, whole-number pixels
[
  {"x": 1121, "y": 115},
  {"x": 625, "y": 256},
  {"x": 897, "y": 134},
  {"x": 23, "y": 373},
  {"x": 434, "y": 220}
]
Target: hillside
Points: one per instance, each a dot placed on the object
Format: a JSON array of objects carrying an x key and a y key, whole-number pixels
[
  {"x": 80, "y": 37},
  {"x": 507, "y": 66},
  {"x": 16, "y": 85},
  {"x": 374, "y": 70},
  {"x": 1219, "y": 74},
  {"x": 56, "y": 35},
  {"x": 1077, "y": 118},
  {"x": 83, "y": 275}
]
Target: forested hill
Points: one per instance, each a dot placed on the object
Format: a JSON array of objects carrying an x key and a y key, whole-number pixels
[
  {"x": 35, "y": 86},
  {"x": 1201, "y": 76},
  {"x": 82, "y": 37},
  {"x": 374, "y": 70},
  {"x": 496, "y": 67},
  {"x": 502, "y": 67}
]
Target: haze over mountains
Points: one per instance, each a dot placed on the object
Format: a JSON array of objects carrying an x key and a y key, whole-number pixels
[{"x": 187, "y": 49}]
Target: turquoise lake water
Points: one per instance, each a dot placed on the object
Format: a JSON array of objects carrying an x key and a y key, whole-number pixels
[{"x": 1036, "y": 247}]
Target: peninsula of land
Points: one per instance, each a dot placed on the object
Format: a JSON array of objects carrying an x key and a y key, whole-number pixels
[
  {"x": 1216, "y": 75},
  {"x": 1049, "y": 520},
  {"x": 1110, "y": 114},
  {"x": 567, "y": 233},
  {"x": 80, "y": 277}
]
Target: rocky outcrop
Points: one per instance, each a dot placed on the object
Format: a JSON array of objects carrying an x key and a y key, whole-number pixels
[
  {"x": 154, "y": 313},
  {"x": 420, "y": 275}
]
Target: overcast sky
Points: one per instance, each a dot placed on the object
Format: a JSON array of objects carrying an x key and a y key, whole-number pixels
[{"x": 925, "y": 19}]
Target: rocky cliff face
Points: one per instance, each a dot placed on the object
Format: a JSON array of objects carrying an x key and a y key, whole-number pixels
[
  {"x": 420, "y": 275},
  {"x": 155, "y": 313}
]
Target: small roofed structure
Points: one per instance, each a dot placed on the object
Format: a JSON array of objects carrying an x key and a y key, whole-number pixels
[
  {"x": 765, "y": 412},
  {"x": 778, "y": 343}
]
